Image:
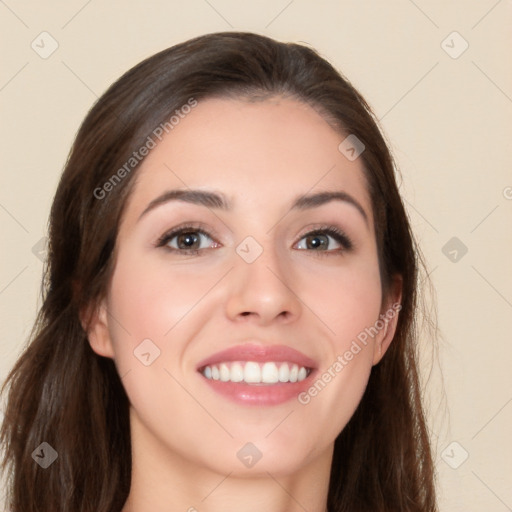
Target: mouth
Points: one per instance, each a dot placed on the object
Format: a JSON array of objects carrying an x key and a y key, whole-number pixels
[
  {"x": 258, "y": 375},
  {"x": 254, "y": 373}
]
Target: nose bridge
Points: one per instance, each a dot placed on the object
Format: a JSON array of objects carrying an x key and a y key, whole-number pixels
[
  {"x": 261, "y": 282},
  {"x": 261, "y": 263}
]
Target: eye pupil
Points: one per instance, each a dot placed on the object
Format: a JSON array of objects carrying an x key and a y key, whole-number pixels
[
  {"x": 189, "y": 239},
  {"x": 314, "y": 241}
]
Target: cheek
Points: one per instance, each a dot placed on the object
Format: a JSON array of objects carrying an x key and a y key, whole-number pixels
[
  {"x": 155, "y": 309},
  {"x": 348, "y": 304},
  {"x": 150, "y": 298},
  {"x": 146, "y": 301},
  {"x": 347, "y": 300}
]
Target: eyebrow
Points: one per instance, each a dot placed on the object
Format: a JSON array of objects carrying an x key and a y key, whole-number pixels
[{"x": 218, "y": 201}]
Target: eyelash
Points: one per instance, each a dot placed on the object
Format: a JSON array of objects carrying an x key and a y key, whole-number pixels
[{"x": 332, "y": 231}]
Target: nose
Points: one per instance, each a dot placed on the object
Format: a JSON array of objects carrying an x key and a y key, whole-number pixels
[{"x": 262, "y": 291}]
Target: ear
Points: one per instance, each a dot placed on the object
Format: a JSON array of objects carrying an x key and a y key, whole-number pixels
[
  {"x": 389, "y": 318},
  {"x": 97, "y": 330}
]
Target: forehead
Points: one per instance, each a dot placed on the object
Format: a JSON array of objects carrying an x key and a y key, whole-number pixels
[{"x": 260, "y": 152}]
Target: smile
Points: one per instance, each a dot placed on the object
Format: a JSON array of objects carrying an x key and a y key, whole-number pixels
[
  {"x": 252, "y": 372},
  {"x": 255, "y": 374}
]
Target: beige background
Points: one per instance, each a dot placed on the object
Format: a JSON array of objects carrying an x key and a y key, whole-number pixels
[{"x": 450, "y": 125}]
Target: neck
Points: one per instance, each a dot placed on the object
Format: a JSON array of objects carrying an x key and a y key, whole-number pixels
[{"x": 163, "y": 480}]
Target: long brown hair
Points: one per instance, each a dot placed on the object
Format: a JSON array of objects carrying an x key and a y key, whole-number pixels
[{"x": 62, "y": 393}]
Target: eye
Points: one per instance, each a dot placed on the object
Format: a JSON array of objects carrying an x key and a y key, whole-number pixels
[
  {"x": 320, "y": 239},
  {"x": 192, "y": 239},
  {"x": 186, "y": 240}
]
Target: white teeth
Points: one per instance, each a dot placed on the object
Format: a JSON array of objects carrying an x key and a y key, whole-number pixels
[
  {"x": 237, "y": 373},
  {"x": 269, "y": 373},
  {"x": 284, "y": 373},
  {"x": 224, "y": 373},
  {"x": 252, "y": 372},
  {"x": 294, "y": 373}
]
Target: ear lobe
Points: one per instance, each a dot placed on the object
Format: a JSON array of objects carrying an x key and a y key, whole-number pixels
[
  {"x": 389, "y": 317},
  {"x": 97, "y": 331},
  {"x": 383, "y": 339}
]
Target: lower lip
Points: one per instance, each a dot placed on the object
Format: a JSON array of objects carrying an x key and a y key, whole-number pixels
[{"x": 260, "y": 394}]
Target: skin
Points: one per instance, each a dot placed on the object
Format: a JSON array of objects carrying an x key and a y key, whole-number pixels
[{"x": 185, "y": 437}]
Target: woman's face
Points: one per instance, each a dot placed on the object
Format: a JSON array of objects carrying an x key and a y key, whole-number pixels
[{"x": 195, "y": 321}]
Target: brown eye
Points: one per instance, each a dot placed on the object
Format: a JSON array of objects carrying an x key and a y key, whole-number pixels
[
  {"x": 189, "y": 240},
  {"x": 320, "y": 240},
  {"x": 186, "y": 240},
  {"x": 317, "y": 241}
]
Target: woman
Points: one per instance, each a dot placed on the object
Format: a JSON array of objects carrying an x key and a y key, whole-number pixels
[{"x": 228, "y": 321}]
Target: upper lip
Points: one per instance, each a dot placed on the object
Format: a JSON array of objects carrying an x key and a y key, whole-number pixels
[{"x": 260, "y": 354}]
